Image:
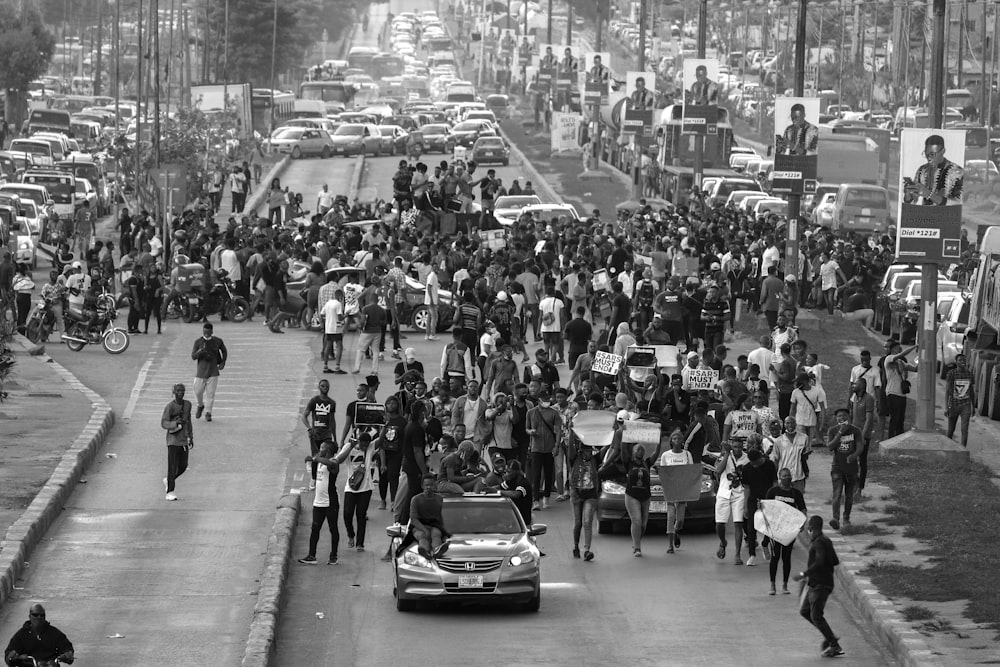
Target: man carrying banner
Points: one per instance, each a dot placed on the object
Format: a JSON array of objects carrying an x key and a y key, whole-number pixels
[
  {"x": 936, "y": 183},
  {"x": 799, "y": 138}
]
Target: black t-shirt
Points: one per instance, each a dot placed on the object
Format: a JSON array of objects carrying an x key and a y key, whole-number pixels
[
  {"x": 414, "y": 441},
  {"x": 578, "y": 332},
  {"x": 622, "y": 309},
  {"x": 374, "y": 318},
  {"x": 759, "y": 479},
  {"x": 791, "y": 496},
  {"x": 321, "y": 408},
  {"x": 403, "y": 367},
  {"x": 393, "y": 435},
  {"x": 637, "y": 484}
]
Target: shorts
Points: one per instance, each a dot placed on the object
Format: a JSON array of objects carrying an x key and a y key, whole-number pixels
[
  {"x": 333, "y": 338},
  {"x": 552, "y": 337},
  {"x": 730, "y": 508}
]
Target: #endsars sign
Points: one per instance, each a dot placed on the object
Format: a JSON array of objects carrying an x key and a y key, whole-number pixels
[{"x": 931, "y": 180}]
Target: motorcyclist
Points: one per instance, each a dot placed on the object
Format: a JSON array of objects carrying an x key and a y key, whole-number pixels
[
  {"x": 38, "y": 640},
  {"x": 78, "y": 288},
  {"x": 173, "y": 289}
]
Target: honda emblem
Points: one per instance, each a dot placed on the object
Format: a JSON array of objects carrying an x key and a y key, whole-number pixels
[{"x": 470, "y": 566}]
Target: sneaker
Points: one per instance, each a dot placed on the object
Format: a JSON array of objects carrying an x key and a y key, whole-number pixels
[
  {"x": 166, "y": 487},
  {"x": 576, "y": 552},
  {"x": 784, "y": 589},
  {"x": 395, "y": 354},
  {"x": 772, "y": 591},
  {"x": 333, "y": 560},
  {"x": 823, "y": 646},
  {"x": 677, "y": 540},
  {"x": 199, "y": 411},
  {"x": 433, "y": 338},
  {"x": 360, "y": 547},
  {"x": 381, "y": 505},
  {"x": 751, "y": 561},
  {"x": 312, "y": 485},
  {"x": 535, "y": 506},
  {"x": 545, "y": 503},
  {"x": 339, "y": 371},
  {"x": 737, "y": 560},
  {"x": 327, "y": 370},
  {"x": 562, "y": 497},
  {"x": 308, "y": 560},
  {"x": 350, "y": 542},
  {"x": 847, "y": 521},
  {"x": 208, "y": 416},
  {"x": 721, "y": 553},
  {"x": 670, "y": 550},
  {"x": 381, "y": 356},
  {"x": 588, "y": 556},
  {"x": 171, "y": 496},
  {"x": 833, "y": 651},
  {"x": 835, "y": 524},
  {"x": 637, "y": 553}
]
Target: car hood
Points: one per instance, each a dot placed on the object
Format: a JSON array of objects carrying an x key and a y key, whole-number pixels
[
  {"x": 485, "y": 546},
  {"x": 341, "y": 139}
]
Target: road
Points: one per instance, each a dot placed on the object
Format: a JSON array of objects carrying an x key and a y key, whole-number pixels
[
  {"x": 616, "y": 609},
  {"x": 177, "y": 580}
]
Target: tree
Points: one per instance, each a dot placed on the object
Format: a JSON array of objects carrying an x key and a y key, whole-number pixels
[{"x": 26, "y": 48}]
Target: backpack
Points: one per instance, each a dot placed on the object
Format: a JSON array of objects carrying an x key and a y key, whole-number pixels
[{"x": 646, "y": 294}]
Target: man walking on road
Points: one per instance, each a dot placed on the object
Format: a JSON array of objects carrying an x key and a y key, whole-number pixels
[
  {"x": 819, "y": 585},
  {"x": 176, "y": 421},
  {"x": 320, "y": 421},
  {"x": 960, "y": 396},
  {"x": 211, "y": 354}
]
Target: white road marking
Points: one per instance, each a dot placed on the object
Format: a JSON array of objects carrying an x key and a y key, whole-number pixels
[{"x": 133, "y": 398}]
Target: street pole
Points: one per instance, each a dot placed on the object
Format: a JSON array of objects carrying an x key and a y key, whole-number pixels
[
  {"x": 637, "y": 138},
  {"x": 840, "y": 57},
  {"x": 140, "y": 103},
  {"x": 699, "y": 140},
  {"x": 99, "y": 58},
  {"x": 274, "y": 60},
  {"x": 961, "y": 41},
  {"x": 927, "y": 359},
  {"x": 601, "y": 8},
  {"x": 795, "y": 199},
  {"x": 225, "y": 59},
  {"x": 569, "y": 25},
  {"x": 548, "y": 26},
  {"x": 116, "y": 37},
  {"x": 982, "y": 77}
]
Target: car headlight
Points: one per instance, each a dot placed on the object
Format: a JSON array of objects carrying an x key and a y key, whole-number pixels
[
  {"x": 613, "y": 488},
  {"x": 523, "y": 558},
  {"x": 706, "y": 484},
  {"x": 414, "y": 559}
]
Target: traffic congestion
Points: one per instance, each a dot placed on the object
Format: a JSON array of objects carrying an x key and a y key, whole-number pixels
[{"x": 481, "y": 399}]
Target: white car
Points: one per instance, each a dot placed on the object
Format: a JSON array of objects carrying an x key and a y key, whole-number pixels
[
  {"x": 29, "y": 232},
  {"x": 509, "y": 206},
  {"x": 823, "y": 213},
  {"x": 770, "y": 205},
  {"x": 954, "y": 316},
  {"x": 541, "y": 212}
]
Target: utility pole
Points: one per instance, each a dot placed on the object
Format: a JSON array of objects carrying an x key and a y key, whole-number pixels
[
  {"x": 274, "y": 51},
  {"x": 186, "y": 53},
  {"x": 637, "y": 150},
  {"x": 984, "y": 84},
  {"x": 699, "y": 140},
  {"x": 926, "y": 361},
  {"x": 548, "y": 26},
  {"x": 140, "y": 104},
  {"x": 155, "y": 15},
  {"x": 116, "y": 36},
  {"x": 601, "y": 9},
  {"x": 569, "y": 25},
  {"x": 98, "y": 61},
  {"x": 961, "y": 41},
  {"x": 795, "y": 199},
  {"x": 225, "y": 59}
]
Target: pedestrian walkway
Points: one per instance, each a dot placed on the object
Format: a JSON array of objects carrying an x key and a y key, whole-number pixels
[{"x": 144, "y": 581}]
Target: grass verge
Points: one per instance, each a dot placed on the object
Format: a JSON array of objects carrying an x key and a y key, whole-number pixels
[
  {"x": 864, "y": 529},
  {"x": 952, "y": 509},
  {"x": 881, "y": 545},
  {"x": 916, "y": 612}
]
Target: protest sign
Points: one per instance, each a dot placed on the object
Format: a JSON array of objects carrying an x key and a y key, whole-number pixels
[
  {"x": 607, "y": 363},
  {"x": 778, "y": 520},
  {"x": 702, "y": 378},
  {"x": 681, "y": 484},
  {"x": 647, "y": 433}
]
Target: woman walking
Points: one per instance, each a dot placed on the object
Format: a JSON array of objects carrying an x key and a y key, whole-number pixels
[
  {"x": 276, "y": 201},
  {"x": 359, "y": 455},
  {"x": 390, "y": 452},
  {"x": 637, "y": 488},
  {"x": 677, "y": 456},
  {"x": 583, "y": 482}
]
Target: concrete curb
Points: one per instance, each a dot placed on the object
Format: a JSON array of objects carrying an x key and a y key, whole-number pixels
[
  {"x": 260, "y": 196},
  {"x": 25, "y": 534},
  {"x": 264, "y": 626},
  {"x": 542, "y": 186},
  {"x": 875, "y": 611},
  {"x": 354, "y": 186}
]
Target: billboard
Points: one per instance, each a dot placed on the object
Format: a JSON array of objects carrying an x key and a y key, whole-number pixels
[
  {"x": 701, "y": 95},
  {"x": 796, "y": 144},
  {"x": 638, "y": 117},
  {"x": 233, "y": 97},
  {"x": 596, "y": 77},
  {"x": 931, "y": 181}
]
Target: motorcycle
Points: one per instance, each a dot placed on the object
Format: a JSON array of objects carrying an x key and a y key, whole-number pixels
[
  {"x": 42, "y": 321},
  {"x": 221, "y": 299},
  {"x": 80, "y": 331}
]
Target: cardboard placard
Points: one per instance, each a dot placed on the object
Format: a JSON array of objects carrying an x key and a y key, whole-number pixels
[
  {"x": 493, "y": 239},
  {"x": 700, "y": 378},
  {"x": 601, "y": 281},
  {"x": 681, "y": 484},
  {"x": 686, "y": 266},
  {"x": 646, "y": 433},
  {"x": 779, "y": 521},
  {"x": 606, "y": 363},
  {"x": 369, "y": 414},
  {"x": 594, "y": 428}
]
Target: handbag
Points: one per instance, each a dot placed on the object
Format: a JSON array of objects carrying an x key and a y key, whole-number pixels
[
  {"x": 905, "y": 387},
  {"x": 357, "y": 478}
]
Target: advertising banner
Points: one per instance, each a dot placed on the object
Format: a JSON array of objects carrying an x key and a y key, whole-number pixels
[
  {"x": 796, "y": 146},
  {"x": 701, "y": 96}
]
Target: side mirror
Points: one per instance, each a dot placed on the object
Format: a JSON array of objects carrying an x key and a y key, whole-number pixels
[{"x": 537, "y": 529}]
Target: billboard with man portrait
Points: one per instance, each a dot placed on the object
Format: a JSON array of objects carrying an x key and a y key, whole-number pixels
[
  {"x": 640, "y": 100},
  {"x": 596, "y": 73},
  {"x": 701, "y": 95},
  {"x": 796, "y": 144},
  {"x": 931, "y": 182}
]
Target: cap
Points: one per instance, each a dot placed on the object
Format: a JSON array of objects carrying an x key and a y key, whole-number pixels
[
  {"x": 410, "y": 353},
  {"x": 657, "y": 316},
  {"x": 789, "y": 278},
  {"x": 77, "y": 265},
  {"x": 715, "y": 266},
  {"x": 497, "y": 456},
  {"x": 501, "y": 296},
  {"x": 622, "y": 415},
  {"x": 692, "y": 355}
]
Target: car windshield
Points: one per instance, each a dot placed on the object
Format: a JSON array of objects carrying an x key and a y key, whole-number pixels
[
  {"x": 468, "y": 126},
  {"x": 463, "y": 518},
  {"x": 491, "y": 141},
  {"x": 350, "y": 131},
  {"x": 434, "y": 129},
  {"x": 727, "y": 187},
  {"x": 36, "y": 196},
  {"x": 288, "y": 133},
  {"x": 516, "y": 202},
  {"x": 866, "y": 199}
]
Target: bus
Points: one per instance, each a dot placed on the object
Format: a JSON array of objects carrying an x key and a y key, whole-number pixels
[
  {"x": 337, "y": 95},
  {"x": 261, "y": 101},
  {"x": 678, "y": 148},
  {"x": 881, "y": 136},
  {"x": 49, "y": 120},
  {"x": 362, "y": 57},
  {"x": 387, "y": 65},
  {"x": 76, "y": 103}
]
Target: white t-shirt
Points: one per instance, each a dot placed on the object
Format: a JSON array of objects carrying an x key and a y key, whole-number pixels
[
  {"x": 432, "y": 288},
  {"x": 806, "y": 404},
  {"x": 487, "y": 343},
  {"x": 363, "y": 460},
  {"x": 322, "y": 496},
  {"x": 671, "y": 458},
  {"x": 725, "y": 490},
  {"x": 79, "y": 282},
  {"x": 743, "y": 423},
  {"x": 333, "y": 311},
  {"x": 550, "y": 304},
  {"x": 325, "y": 198}
]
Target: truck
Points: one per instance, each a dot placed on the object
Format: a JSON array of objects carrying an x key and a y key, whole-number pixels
[
  {"x": 982, "y": 347},
  {"x": 845, "y": 158}
]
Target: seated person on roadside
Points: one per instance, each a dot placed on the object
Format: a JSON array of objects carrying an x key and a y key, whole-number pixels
[{"x": 426, "y": 518}]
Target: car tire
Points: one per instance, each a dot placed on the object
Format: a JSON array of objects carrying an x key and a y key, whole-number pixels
[
  {"x": 326, "y": 152},
  {"x": 506, "y": 162},
  {"x": 296, "y": 152},
  {"x": 605, "y": 527},
  {"x": 993, "y": 407},
  {"x": 885, "y": 325},
  {"x": 419, "y": 318}
]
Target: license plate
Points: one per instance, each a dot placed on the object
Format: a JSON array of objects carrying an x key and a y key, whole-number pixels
[
  {"x": 864, "y": 220},
  {"x": 490, "y": 153},
  {"x": 659, "y": 506},
  {"x": 470, "y": 581}
]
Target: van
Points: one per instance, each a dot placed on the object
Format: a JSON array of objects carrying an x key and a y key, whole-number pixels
[
  {"x": 861, "y": 207},
  {"x": 40, "y": 150},
  {"x": 58, "y": 142},
  {"x": 86, "y": 132},
  {"x": 309, "y": 109}
]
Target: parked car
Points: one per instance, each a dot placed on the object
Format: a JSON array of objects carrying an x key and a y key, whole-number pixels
[
  {"x": 906, "y": 310},
  {"x": 895, "y": 280},
  {"x": 302, "y": 141},
  {"x": 540, "y": 212},
  {"x": 468, "y": 131},
  {"x": 397, "y": 137},
  {"x": 491, "y": 150},
  {"x": 437, "y": 137},
  {"x": 357, "y": 138},
  {"x": 954, "y": 319},
  {"x": 491, "y": 558},
  {"x": 509, "y": 206},
  {"x": 413, "y": 312}
]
